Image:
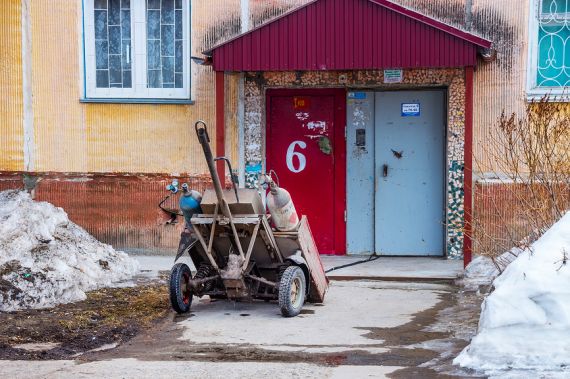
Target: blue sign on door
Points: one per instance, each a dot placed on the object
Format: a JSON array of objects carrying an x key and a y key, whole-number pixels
[
  {"x": 411, "y": 109},
  {"x": 357, "y": 95}
]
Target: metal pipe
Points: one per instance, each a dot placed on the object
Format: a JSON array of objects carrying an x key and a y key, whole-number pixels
[
  {"x": 204, "y": 140},
  {"x": 261, "y": 280},
  {"x": 204, "y": 246},
  {"x": 231, "y": 174},
  {"x": 198, "y": 282}
]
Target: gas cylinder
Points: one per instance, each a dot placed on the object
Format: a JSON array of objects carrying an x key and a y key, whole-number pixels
[
  {"x": 190, "y": 203},
  {"x": 281, "y": 207}
]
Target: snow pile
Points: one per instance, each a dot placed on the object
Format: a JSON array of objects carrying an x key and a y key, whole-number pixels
[
  {"x": 45, "y": 259},
  {"x": 482, "y": 270},
  {"x": 525, "y": 322}
]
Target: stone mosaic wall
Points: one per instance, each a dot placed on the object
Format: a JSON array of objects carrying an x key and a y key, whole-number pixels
[{"x": 452, "y": 79}]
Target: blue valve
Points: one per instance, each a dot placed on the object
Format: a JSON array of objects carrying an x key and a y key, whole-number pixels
[{"x": 173, "y": 187}]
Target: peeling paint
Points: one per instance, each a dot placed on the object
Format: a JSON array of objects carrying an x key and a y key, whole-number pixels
[
  {"x": 325, "y": 145},
  {"x": 320, "y": 126}
]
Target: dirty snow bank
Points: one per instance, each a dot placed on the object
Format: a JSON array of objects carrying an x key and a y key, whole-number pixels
[
  {"x": 525, "y": 321},
  {"x": 45, "y": 259},
  {"x": 482, "y": 270}
]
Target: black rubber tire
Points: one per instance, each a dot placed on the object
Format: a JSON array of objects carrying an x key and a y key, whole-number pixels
[
  {"x": 292, "y": 291},
  {"x": 180, "y": 293}
]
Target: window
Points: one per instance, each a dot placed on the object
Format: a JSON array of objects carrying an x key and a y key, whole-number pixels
[
  {"x": 549, "y": 68},
  {"x": 137, "y": 49}
]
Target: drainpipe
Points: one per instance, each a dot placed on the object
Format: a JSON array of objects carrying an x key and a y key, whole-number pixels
[{"x": 220, "y": 125}]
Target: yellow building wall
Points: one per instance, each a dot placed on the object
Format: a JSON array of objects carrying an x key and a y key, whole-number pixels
[
  {"x": 73, "y": 137},
  {"x": 134, "y": 138},
  {"x": 11, "y": 99},
  {"x": 499, "y": 85}
]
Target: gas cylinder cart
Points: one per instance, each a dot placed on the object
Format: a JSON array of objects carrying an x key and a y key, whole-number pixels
[{"x": 237, "y": 254}]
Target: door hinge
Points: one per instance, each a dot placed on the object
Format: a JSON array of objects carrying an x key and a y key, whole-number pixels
[
  {"x": 345, "y": 132},
  {"x": 345, "y": 215}
]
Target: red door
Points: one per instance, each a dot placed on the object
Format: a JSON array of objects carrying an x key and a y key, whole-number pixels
[{"x": 306, "y": 148}]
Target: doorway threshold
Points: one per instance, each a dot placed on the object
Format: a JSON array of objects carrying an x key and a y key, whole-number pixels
[{"x": 416, "y": 269}]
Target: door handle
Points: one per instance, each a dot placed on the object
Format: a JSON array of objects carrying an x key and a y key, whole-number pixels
[{"x": 385, "y": 170}]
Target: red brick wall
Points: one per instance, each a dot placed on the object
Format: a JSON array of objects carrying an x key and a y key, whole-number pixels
[
  {"x": 501, "y": 213},
  {"x": 117, "y": 209}
]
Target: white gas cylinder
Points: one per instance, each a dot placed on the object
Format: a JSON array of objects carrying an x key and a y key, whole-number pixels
[{"x": 281, "y": 207}]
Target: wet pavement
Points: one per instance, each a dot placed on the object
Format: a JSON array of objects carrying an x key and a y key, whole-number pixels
[{"x": 364, "y": 329}]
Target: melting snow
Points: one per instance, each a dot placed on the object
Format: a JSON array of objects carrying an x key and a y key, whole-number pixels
[
  {"x": 482, "y": 270},
  {"x": 45, "y": 259},
  {"x": 525, "y": 321}
]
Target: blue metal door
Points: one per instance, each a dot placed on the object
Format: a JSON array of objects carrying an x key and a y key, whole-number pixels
[
  {"x": 360, "y": 173},
  {"x": 409, "y": 172}
]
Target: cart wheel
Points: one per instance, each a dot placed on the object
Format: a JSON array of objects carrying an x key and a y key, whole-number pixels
[
  {"x": 292, "y": 288},
  {"x": 180, "y": 291}
]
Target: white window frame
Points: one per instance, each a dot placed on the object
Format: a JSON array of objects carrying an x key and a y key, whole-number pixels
[
  {"x": 533, "y": 92},
  {"x": 139, "y": 90}
]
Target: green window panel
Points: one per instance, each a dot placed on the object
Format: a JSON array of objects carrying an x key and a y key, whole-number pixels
[{"x": 553, "y": 66}]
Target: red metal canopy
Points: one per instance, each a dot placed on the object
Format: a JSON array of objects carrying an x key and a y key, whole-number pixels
[{"x": 348, "y": 35}]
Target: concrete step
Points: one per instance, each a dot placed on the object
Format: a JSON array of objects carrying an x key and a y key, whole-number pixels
[{"x": 393, "y": 268}]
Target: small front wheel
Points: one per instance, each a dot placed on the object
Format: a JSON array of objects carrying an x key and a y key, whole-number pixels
[
  {"x": 292, "y": 288},
  {"x": 180, "y": 290}
]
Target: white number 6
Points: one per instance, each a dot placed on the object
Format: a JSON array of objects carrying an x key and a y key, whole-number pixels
[{"x": 300, "y": 157}]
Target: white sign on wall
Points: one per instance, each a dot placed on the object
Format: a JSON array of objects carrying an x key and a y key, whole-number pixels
[{"x": 393, "y": 76}]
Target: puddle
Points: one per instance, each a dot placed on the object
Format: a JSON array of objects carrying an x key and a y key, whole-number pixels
[
  {"x": 453, "y": 323},
  {"x": 244, "y": 314}
]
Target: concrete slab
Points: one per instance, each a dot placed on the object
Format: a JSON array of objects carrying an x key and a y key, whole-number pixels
[
  {"x": 393, "y": 268},
  {"x": 383, "y": 268},
  {"x": 339, "y": 325},
  {"x": 365, "y": 329},
  {"x": 223, "y": 339},
  {"x": 134, "y": 368}
]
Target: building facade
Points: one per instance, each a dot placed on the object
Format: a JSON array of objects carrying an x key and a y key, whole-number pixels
[{"x": 99, "y": 98}]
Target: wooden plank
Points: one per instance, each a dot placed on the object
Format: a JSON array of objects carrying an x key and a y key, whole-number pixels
[{"x": 319, "y": 281}]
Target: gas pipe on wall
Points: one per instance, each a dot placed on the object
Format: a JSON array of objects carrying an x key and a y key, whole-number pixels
[{"x": 281, "y": 206}]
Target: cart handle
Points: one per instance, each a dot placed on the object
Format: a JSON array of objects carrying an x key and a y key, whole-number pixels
[
  {"x": 231, "y": 174},
  {"x": 199, "y": 130}
]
